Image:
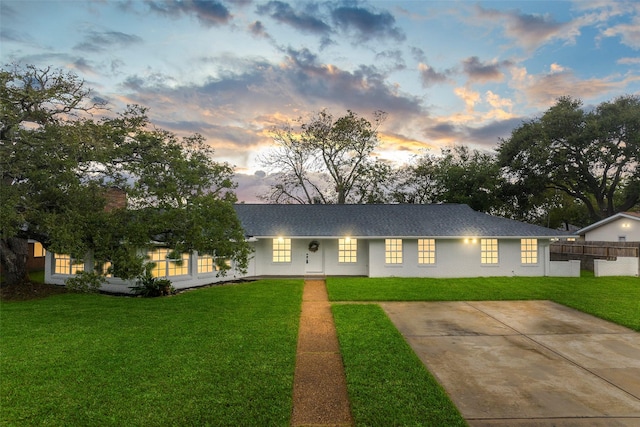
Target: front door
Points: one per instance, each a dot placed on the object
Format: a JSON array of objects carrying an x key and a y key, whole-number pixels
[{"x": 314, "y": 261}]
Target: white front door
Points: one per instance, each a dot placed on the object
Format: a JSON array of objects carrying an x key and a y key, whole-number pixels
[{"x": 314, "y": 261}]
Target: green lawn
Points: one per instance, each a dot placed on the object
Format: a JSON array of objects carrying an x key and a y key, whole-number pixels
[
  {"x": 217, "y": 356},
  {"x": 388, "y": 385}
]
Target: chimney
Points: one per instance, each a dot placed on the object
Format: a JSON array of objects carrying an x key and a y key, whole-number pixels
[{"x": 116, "y": 199}]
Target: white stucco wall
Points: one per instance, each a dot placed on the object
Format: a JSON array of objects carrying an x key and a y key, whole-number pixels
[
  {"x": 262, "y": 263},
  {"x": 569, "y": 268},
  {"x": 614, "y": 230},
  {"x": 623, "y": 266},
  {"x": 455, "y": 258}
]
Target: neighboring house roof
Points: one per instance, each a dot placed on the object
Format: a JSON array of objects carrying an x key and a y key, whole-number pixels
[
  {"x": 376, "y": 220},
  {"x": 634, "y": 216}
]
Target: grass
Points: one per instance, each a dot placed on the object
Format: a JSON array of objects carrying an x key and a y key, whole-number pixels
[
  {"x": 218, "y": 356},
  {"x": 388, "y": 385},
  {"x": 612, "y": 298}
]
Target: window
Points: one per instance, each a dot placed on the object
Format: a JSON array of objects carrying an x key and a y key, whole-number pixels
[
  {"x": 281, "y": 250},
  {"x": 38, "y": 250},
  {"x": 64, "y": 264},
  {"x": 488, "y": 251},
  {"x": 347, "y": 250},
  {"x": 426, "y": 251},
  {"x": 165, "y": 267},
  {"x": 529, "y": 251},
  {"x": 393, "y": 251},
  {"x": 104, "y": 268},
  {"x": 206, "y": 264}
]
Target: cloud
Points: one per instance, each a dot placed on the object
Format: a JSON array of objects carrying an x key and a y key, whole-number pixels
[
  {"x": 629, "y": 33},
  {"x": 364, "y": 89},
  {"x": 430, "y": 76},
  {"x": 470, "y": 97},
  {"x": 396, "y": 58},
  {"x": 496, "y": 101},
  {"x": 257, "y": 29},
  {"x": 365, "y": 24},
  {"x": 305, "y": 21},
  {"x": 9, "y": 35},
  {"x": 81, "y": 64},
  {"x": 484, "y": 72},
  {"x": 528, "y": 30},
  {"x": 100, "y": 41},
  {"x": 208, "y": 12},
  {"x": 490, "y": 134},
  {"x": 628, "y": 61},
  {"x": 252, "y": 186},
  {"x": 544, "y": 89},
  {"x": 485, "y": 136}
]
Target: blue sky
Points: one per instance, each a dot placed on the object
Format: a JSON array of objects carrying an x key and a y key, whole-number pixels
[{"x": 446, "y": 72}]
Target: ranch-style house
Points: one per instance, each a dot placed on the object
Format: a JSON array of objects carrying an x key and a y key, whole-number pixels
[{"x": 375, "y": 240}]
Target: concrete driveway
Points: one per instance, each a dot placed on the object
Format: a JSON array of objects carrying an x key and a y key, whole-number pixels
[{"x": 526, "y": 363}]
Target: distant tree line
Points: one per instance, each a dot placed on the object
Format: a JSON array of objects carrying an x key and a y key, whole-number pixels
[{"x": 569, "y": 166}]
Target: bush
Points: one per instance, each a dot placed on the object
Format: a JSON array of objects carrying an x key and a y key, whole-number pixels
[
  {"x": 85, "y": 282},
  {"x": 149, "y": 286}
]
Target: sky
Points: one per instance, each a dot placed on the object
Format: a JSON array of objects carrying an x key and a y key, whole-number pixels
[{"x": 446, "y": 72}]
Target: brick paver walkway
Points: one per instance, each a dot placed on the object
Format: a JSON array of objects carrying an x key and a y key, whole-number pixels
[{"x": 319, "y": 390}]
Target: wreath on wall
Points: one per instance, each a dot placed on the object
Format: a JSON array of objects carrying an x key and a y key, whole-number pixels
[{"x": 314, "y": 245}]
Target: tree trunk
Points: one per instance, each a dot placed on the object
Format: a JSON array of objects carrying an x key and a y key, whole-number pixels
[{"x": 13, "y": 257}]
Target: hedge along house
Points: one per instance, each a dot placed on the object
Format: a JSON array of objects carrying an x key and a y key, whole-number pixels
[{"x": 446, "y": 240}]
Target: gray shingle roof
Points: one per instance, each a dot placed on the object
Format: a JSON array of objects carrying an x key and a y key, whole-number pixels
[{"x": 444, "y": 220}]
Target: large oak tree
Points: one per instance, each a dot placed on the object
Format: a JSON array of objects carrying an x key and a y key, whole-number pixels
[
  {"x": 592, "y": 156},
  {"x": 58, "y": 163}
]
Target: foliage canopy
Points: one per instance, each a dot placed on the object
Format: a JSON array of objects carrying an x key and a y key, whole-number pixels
[
  {"x": 59, "y": 164},
  {"x": 592, "y": 156}
]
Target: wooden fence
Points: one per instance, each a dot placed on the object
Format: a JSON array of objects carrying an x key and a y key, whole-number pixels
[{"x": 587, "y": 251}]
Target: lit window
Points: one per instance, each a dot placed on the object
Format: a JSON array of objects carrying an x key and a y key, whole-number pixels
[
  {"x": 393, "y": 251},
  {"x": 64, "y": 264},
  {"x": 281, "y": 250},
  {"x": 488, "y": 251},
  {"x": 426, "y": 251},
  {"x": 105, "y": 269},
  {"x": 347, "y": 250},
  {"x": 38, "y": 250},
  {"x": 165, "y": 267},
  {"x": 529, "y": 251},
  {"x": 209, "y": 263},
  {"x": 178, "y": 267},
  {"x": 206, "y": 264}
]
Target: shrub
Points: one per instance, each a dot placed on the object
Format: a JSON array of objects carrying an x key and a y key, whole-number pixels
[
  {"x": 85, "y": 282},
  {"x": 149, "y": 286}
]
